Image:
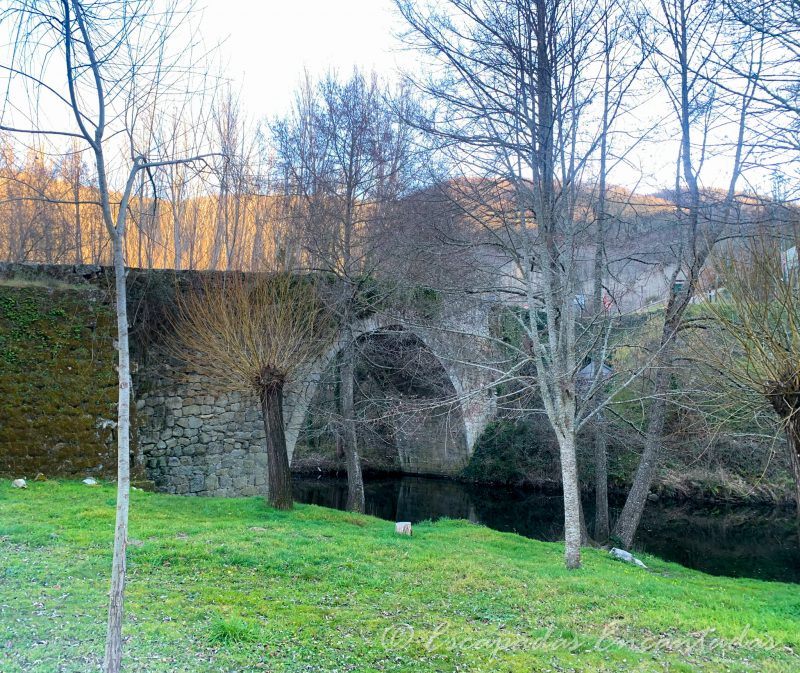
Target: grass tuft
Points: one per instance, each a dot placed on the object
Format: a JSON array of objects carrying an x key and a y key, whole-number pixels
[{"x": 232, "y": 631}]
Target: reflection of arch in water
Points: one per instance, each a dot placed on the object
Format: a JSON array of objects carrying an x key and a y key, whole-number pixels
[{"x": 301, "y": 394}]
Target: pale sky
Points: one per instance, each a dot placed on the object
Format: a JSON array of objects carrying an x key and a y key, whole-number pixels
[{"x": 266, "y": 45}]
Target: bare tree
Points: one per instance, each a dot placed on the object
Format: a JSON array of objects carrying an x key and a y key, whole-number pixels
[
  {"x": 254, "y": 336},
  {"x": 99, "y": 64},
  {"x": 685, "y": 40},
  {"x": 344, "y": 154},
  {"x": 622, "y": 59},
  {"x": 514, "y": 84},
  {"x": 235, "y": 175},
  {"x": 74, "y": 171}
]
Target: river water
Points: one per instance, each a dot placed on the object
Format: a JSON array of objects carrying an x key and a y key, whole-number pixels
[{"x": 737, "y": 541}]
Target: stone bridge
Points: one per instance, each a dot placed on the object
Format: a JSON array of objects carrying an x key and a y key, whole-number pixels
[
  {"x": 191, "y": 437},
  {"x": 455, "y": 341},
  {"x": 194, "y": 440}
]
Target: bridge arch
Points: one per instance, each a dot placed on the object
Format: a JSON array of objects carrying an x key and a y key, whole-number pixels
[{"x": 301, "y": 393}]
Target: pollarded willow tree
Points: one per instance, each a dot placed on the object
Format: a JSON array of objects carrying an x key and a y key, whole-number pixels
[
  {"x": 756, "y": 345},
  {"x": 93, "y": 73},
  {"x": 254, "y": 334}
]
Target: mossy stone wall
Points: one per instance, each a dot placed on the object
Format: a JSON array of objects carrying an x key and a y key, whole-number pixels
[{"x": 58, "y": 385}]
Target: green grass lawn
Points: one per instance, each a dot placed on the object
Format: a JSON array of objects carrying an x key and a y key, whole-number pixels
[{"x": 231, "y": 585}]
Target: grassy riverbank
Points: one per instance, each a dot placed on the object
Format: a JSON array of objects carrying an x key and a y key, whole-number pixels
[{"x": 231, "y": 585}]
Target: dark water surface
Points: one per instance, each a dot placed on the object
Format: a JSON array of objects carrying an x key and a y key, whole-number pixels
[{"x": 721, "y": 540}]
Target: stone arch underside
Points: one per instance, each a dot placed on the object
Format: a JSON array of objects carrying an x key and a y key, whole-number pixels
[{"x": 474, "y": 399}]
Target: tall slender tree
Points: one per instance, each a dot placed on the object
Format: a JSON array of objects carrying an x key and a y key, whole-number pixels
[
  {"x": 114, "y": 60},
  {"x": 685, "y": 38},
  {"x": 345, "y": 157},
  {"x": 514, "y": 84}
]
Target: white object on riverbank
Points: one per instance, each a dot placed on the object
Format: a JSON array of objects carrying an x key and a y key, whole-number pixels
[
  {"x": 403, "y": 528},
  {"x": 626, "y": 556},
  {"x": 19, "y": 483},
  {"x": 89, "y": 481}
]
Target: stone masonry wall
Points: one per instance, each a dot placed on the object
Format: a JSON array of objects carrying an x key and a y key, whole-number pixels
[
  {"x": 188, "y": 437},
  {"x": 197, "y": 441}
]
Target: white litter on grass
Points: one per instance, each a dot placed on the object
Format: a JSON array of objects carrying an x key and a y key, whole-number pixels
[
  {"x": 89, "y": 481},
  {"x": 19, "y": 483},
  {"x": 402, "y": 528},
  {"x": 626, "y": 556}
]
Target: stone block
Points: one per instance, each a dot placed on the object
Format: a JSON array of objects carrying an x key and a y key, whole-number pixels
[{"x": 173, "y": 403}]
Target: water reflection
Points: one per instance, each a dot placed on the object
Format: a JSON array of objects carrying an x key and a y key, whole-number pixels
[{"x": 735, "y": 541}]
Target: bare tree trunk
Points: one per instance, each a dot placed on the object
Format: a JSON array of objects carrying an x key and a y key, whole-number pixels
[
  {"x": 793, "y": 441},
  {"x": 628, "y": 521},
  {"x": 572, "y": 502},
  {"x": 601, "y": 525},
  {"x": 78, "y": 231},
  {"x": 113, "y": 655},
  {"x": 355, "y": 480},
  {"x": 279, "y": 477},
  {"x": 600, "y": 451},
  {"x": 177, "y": 217},
  {"x": 586, "y": 539}
]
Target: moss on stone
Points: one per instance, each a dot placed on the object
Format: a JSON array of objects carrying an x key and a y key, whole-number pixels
[{"x": 57, "y": 381}]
